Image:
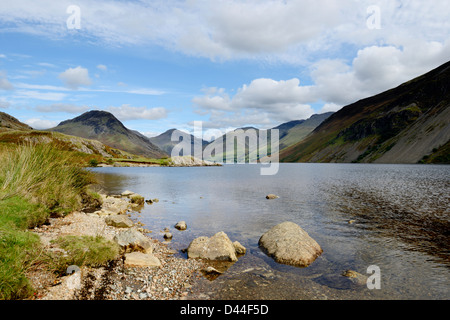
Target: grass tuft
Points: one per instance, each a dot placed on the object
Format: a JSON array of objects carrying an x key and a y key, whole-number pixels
[{"x": 87, "y": 250}]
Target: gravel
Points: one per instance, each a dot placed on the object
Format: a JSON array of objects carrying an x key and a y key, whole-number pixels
[{"x": 173, "y": 280}]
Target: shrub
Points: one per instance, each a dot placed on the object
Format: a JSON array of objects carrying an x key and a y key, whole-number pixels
[{"x": 93, "y": 163}]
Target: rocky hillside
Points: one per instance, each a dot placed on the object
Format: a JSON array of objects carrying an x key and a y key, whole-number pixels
[
  {"x": 407, "y": 124},
  {"x": 64, "y": 142},
  {"x": 8, "y": 122},
  {"x": 104, "y": 127}
]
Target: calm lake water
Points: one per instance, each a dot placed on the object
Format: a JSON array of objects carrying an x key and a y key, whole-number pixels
[{"x": 400, "y": 212}]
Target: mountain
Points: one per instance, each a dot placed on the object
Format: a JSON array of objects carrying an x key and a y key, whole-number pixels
[
  {"x": 8, "y": 122},
  {"x": 289, "y": 133},
  {"x": 104, "y": 127},
  {"x": 285, "y": 127},
  {"x": 165, "y": 143},
  {"x": 300, "y": 130},
  {"x": 407, "y": 124}
]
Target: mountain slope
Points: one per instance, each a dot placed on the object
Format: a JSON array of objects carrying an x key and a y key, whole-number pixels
[
  {"x": 298, "y": 132},
  {"x": 165, "y": 143},
  {"x": 8, "y": 122},
  {"x": 104, "y": 127},
  {"x": 401, "y": 125},
  {"x": 289, "y": 133}
]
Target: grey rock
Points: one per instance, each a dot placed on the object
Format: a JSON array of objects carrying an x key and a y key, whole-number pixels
[
  {"x": 168, "y": 236},
  {"x": 240, "y": 249},
  {"x": 132, "y": 240},
  {"x": 181, "y": 225},
  {"x": 140, "y": 259},
  {"x": 288, "y": 243},
  {"x": 218, "y": 247},
  {"x": 119, "y": 221}
]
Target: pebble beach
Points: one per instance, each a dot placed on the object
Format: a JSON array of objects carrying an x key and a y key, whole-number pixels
[{"x": 171, "y": 280}]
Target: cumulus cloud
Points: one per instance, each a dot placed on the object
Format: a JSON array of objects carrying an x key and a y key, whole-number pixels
[
  {"x": 76, "y": 77},
  {"x": 262, "y": 102},
  {"x": 40, "y": 124},
  {"x": 374, "y": 70},
  {"x": 128, "y": 112}
]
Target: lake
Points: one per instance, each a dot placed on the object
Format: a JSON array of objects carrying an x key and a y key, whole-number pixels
[{"x": 395, "y": 217}]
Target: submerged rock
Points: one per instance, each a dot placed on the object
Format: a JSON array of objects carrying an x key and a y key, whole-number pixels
[
  {"x": 288, "y": 243},
  {"x": 181, "y": 225},
  {"x": 240, "y": 249},
  {"x": 218, "y": 247},
  {"x": 355, "y": 277},
  {"x": 127, "y": 193},
  {"x": 168, "y": 236}
]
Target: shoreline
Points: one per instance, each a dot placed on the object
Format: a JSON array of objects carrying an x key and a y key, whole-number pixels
[{"x": 172, "y": 280}]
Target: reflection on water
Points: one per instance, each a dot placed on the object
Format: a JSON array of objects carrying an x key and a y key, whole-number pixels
[{"x": 399, "y": 214}]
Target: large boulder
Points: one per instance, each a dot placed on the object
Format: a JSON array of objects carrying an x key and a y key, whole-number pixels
[
  {"x": 288, "y": 243},
  {"x": 119, "y": 221},
  {"x": 113, "y": 206},
  {"x": 139, "y": 259},
  {"x": 133, "y": 240},
  {"x": 219, "y": 247}
]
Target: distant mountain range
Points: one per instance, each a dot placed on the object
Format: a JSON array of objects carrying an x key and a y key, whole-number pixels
[
  {"x": 289, "y": 133},
  {"x": 165, "y": 143},
  {"x": 106, "y": 128},
  {"x": 407, "y": 124}
]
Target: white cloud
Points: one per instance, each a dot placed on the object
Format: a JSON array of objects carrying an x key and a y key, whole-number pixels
[
  {"x": 262, "y": 102},
  {"x": 4, "y": 104},
  {"x": 374, "y": 70},
  {"x": 40, "y": 124},
  {"x": 39, "y": 95},
  {"x": 76, "y": 77},
  {"x": 102, "y": 67},
  {"x": 62, "y": 107},
  {"x": 284, "y": 30},
  {"x": 150, "y": 134},
  {"x": 46, "y": 64},
  {"x": 4, "y": 83},
  {"x": 330, "y": 107},
  {"x": 128, "y": 112}
]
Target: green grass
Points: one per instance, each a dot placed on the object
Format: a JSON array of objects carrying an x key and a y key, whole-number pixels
[
  {"x": 42, "y": 174},
  {"x": 35, "y": 181},
  {"x": 18, "y": 251},
  {"x": 87, "y": 251},
  {"x": 18, "y": 247}
]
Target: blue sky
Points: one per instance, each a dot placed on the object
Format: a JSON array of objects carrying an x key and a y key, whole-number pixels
[{"x": 158, "y": 65}]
